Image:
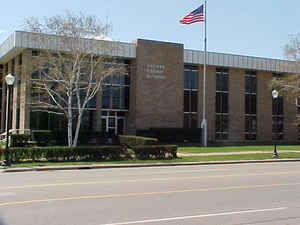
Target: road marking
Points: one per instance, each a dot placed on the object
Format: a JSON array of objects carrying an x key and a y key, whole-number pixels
[
  {"x": 165, "y": 179},
  {"x": 185, "y": 171},
  {"x": 145, "y": 194},
  {"x": 198, "y": 216}
]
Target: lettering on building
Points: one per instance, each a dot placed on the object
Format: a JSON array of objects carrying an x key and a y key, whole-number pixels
[{"x": 155, "y": 71}]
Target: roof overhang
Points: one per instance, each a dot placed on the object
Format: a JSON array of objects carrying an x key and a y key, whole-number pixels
[{"x": 20, "y": 40}]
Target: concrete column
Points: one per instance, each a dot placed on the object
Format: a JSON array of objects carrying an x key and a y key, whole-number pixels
[
  {"x": 15, "y": 95},
  {"x": 25, "y": 90}
]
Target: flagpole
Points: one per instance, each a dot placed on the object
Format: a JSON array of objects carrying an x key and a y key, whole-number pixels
[{"x": 204, "y": 121}]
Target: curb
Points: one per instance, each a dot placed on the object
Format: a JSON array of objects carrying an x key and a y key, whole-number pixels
[{"x": 110, "y": 166}]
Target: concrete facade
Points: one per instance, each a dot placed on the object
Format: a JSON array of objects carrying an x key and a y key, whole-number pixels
[{"x": 157, "y": 90}]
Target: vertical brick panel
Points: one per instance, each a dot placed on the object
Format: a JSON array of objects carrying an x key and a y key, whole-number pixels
[
  {"x": 236, "y": 105},
  {"x": 159, "y": 96},
  {"x": 264, "y": 106}
]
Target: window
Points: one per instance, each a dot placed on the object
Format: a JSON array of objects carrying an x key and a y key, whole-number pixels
[
  {"x": 12, "y": 66},
  {"x": 277, "y": 115},
  {"x": 250, "y": 105},
  {"x": 222, "y": 120},
  {"x": 20, "y": 59},
  {"x": 115, "y": 91},
  {"x": 35, "y": 53},
  {"x": 190, "y": 117}
]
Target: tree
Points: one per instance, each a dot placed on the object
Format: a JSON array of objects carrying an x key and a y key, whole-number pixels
[
  {"x": 66, "y": 80},
  {"x": 289, "y": 85}
]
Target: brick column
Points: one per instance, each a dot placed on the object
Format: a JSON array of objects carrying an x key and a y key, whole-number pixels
[
  {"x": 236, "y": 100},
  {"x": 264, "y": 106}
]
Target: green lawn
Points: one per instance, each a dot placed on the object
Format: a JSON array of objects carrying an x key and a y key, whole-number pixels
[
  {"x": 257, "y": 156},
  {"x": 197, "y": 149}
]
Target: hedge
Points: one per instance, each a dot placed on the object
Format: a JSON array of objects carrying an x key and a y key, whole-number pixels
[
  {"x": 131, "y": 141},
  {"x": 155, "y": 151},
  {"x": 19, "y": 140},
  {"x": 66, "y": 153},
  {"x": 42, "y": 137}
]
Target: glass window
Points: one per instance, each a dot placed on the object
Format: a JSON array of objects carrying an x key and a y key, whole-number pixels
[
  {"x": 190, "y": 96},
  {"x": 222, "y": 122},
  {"x": 222, "y": 126},
  {"x": 186, "y": 101},
  {"x": 115, "y": 92},
  {"x": 116, "y": 97},
  {"x": 106, "y": 97},
  {"x": 194, "y": 101},
  {"x": 20, "y": 59},
  {"x": 190, "y": 77},
  {"x": 250, "y": 104},
  {"x": 190, "y": 120}
]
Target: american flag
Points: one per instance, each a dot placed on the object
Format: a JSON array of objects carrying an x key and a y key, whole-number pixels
[{"x": 193, "y": 17}]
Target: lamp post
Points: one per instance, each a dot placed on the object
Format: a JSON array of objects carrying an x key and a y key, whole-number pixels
[
  {"x": 275, "y": 98},
  {"x": 10, "y": 79}
]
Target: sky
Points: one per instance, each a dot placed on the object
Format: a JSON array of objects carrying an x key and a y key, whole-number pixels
[{"x": 255, "y": 28}]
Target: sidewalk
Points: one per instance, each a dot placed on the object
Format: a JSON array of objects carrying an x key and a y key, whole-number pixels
[{"x": 180, "y": 154}]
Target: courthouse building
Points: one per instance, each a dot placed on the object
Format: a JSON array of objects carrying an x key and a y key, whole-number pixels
[{"x": 164, "y": 89}]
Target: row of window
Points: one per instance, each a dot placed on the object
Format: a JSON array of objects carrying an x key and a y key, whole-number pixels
[{"x": 222, "y": 103}]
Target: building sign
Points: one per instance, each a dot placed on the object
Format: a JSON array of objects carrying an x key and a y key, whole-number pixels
[{"x": 155, "y": 71}]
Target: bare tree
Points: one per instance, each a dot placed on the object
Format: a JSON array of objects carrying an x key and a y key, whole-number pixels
[
  {"x": 68, "y": 78},
  {"x": 290, "y": 84}
]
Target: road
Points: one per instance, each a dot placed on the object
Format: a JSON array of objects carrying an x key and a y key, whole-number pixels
[{"x": 246, "y": 194}]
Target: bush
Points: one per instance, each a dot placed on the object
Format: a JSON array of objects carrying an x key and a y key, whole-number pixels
[
  {"x": 19, "y": 140},
  {"x": 67, "y": 153},
  {"x": 42, "y": 137},
  {"x": 155, "y": 151},
  {"x": 130, "y": 141}
]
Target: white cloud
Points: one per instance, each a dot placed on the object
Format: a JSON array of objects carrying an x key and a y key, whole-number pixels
[{"x": 2, "y": 31}]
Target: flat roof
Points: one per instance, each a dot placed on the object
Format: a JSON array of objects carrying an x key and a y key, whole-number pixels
[{"x": 20, "y": 40}]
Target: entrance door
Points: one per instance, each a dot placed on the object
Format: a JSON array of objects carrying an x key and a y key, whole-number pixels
[{"x": 113, "y": 122}]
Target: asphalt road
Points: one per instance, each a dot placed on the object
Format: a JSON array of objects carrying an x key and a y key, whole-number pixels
[{"x": 254, "y": 194}]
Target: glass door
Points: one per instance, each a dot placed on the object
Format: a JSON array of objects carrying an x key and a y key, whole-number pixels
[{"x": 113, "y": 122}]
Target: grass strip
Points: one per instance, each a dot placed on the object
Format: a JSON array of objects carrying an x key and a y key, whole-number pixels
[{"x": 198, "y": 149}]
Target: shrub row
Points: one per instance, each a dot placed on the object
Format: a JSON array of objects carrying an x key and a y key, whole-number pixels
[
  {"x": 66, "y": 153},
  {"x": 155, "y": 151},
  {"x": 130, "y": 141},
  {"x": 19, "y": 140},
  {"x": 40, "y": 137}
]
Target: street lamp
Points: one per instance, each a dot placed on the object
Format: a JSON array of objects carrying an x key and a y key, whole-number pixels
[
  {"x": 10, "y": 79},
  {"x": 275, "y": 98}
]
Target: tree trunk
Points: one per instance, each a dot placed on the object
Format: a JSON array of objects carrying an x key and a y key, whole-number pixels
[
  {"x": 78, "y": 127},
  {"x": 70, "y": 123}
]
